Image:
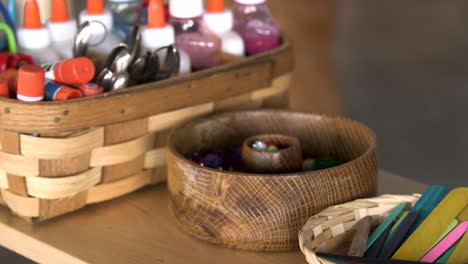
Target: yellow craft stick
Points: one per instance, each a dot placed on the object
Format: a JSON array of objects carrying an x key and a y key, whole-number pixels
[
  {"x": 420, "y": 242},
  {"x": 460, "y": 255}
]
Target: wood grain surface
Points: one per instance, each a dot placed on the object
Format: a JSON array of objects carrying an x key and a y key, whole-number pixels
[
  {"x": 138, "y": 228},
  {"x": 264, "y": 211}
]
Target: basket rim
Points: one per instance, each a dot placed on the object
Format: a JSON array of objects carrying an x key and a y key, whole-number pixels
[{"x": 372, "y": 148}]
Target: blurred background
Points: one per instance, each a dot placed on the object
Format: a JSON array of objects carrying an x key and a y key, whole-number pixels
[{"x": 400, "y": 67}]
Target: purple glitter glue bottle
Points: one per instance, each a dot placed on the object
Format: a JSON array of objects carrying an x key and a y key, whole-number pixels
[
  {"x": 255, "y": 23},
  {"x": 192, "y": 35}
]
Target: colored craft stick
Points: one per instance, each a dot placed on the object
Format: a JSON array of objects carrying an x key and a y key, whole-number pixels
[
  {"x": 374, "y": 251},
  {"x": 420, "y": 242},
  {"x": 349, "y": 259},
  {"x": 395, "y": 226},
  {"x": 358, "y": 245},
  {"x": 446, "y": 243},
  {"x": 385, "y": 225},
  {"x": 428, "y": 205},
  {"x": 460, "y": 253},
  {"x": 449, "y": 229},
  {"x": 399, "y": 235},
  {"x": 446, "y": 255}
]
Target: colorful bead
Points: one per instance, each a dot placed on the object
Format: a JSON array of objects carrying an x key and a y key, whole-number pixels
[
  {"x": 260, "y": 146},
  {"x": 272, "y": 148},
  {"x": 325, "y": 163}
]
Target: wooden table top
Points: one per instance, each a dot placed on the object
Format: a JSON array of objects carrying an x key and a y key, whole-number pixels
[{"x": 138, "y": 228}]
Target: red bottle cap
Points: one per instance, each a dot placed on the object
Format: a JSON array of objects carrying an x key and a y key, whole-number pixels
[
  {"x": 4, "y": 92},
  {"x": 75, "y": 71},
  {"x": 59, "y": 11},
  {"x": 215, "y": 6},
  {"x": 32, "y": 17},
  {"x": 95, "y": 7},
  {"x": 31, "y": 83},
  {"x": 67, "y": 93},
  {"x": 11, "y": 77},
  {"x": 90, "y": 89},
  {"x": 156, "y": 17}
]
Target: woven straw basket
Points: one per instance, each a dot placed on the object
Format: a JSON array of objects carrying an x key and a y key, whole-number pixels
[
  {"x": 330, "y": 228},
  {"x": 58, "y": 157}
]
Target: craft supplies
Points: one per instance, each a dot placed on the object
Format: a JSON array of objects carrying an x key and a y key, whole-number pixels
[
  {"x": 62, "y": 29},
  {"x": 59, "y": 92},
  {"x": 158, "y": 34},
  {"x": 125, "y": 14},
  {"x": 73, "y": 71},
  {"x": 254, "y": 22},
  {"x": 259, "y": 145},
  {"x": 31, "y": 79},
  {"x": 100, "y": 20},
  {"x": 90, "y": 89},
  {"x": 4, "y": 92},
  {"x": 192, "y": 36},
  {"x": 220, "y": 20},
  {"x": 446, "y": 243},
  {"x": 33, "y": 38},
  {"x": 11, "y": 77},
  {"x": 325, "y": 163},
  {"x": 114, "y": 75}
]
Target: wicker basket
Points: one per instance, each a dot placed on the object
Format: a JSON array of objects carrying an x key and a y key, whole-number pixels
[
  {"x": 95, "y": 149},
  {"x": 330, "y": 228}
]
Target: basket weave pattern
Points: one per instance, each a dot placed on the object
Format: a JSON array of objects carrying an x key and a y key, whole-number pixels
[
  {"x": 43, "y": 177},
  {"x": 329, "y": 228}
]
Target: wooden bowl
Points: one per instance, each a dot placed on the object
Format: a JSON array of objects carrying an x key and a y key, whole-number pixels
[
  {"x": 287, "y": 159},
  {"x": 266, "y": 211}
]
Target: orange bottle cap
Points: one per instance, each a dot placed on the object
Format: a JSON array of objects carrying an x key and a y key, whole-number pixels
[
  {"x": 156, "y": 16},
  {"x": 32, "y": 17},
  {"x": 67, "y": 93},
  {"x": 31, "y": 82},
  {"x": 95, "y": 7},
  {"x": 215, "y": 6},
  {"x": 90, "y": 89},
  {"x": 75, "y": 71},
  {"x": 59, "y": 11},
  {"x": 4, "y": 92}
]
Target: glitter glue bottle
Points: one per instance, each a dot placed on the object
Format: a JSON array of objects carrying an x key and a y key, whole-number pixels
[
  {"x": 30, "y": 83},
  {"x": 254, "y": 22},
  {"x": 192, "y": 35},
  {"x": 221, "y": 22},
  {"x": 59, "y": 92},
  {"x": 101, "y": 22},
  {"x": 73, "y": 71},
  {"x": 62, "y": 29},
  {"x": 33, "y": 38},
  {"x": 158, "y": 34}
]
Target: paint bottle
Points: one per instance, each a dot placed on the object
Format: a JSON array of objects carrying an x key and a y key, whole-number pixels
[
  {"x": 31, "y": 80},
  {"x": 90, "y": 89},
  {"x": 62, "y": 29},
  {"x": 158, "y": 34},
  {"x": 73, "y": 71},
  {"x": 254, "y": 22},
  {"x": 192, "y": 35},
  {"x": 33, "y": 38},
  {"x": 60, "y": 92},
  {"x": 101, "y": 21},
  {"x": 221, "y": 22}
]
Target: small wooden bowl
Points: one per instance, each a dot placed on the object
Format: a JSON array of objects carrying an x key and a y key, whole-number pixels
[
  {"x": 266, "y": 211},
  {"x": 287, "y": 159}
]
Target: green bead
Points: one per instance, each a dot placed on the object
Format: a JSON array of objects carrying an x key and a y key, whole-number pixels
[
  {"x": 272, "y": 149},
  {"x": 325, "y": 163}
]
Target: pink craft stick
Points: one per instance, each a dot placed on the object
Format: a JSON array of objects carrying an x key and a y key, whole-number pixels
[{"x": 446, "y": 243}]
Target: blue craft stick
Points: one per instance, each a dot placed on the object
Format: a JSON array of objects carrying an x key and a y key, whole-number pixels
[
  {"x": 375, "y": 249},
  {"x": 399, "y": 235},
  {"x": 426, "y": 196},
  {"x": 444, "y": 258},
  {"x": 385, "y": 225}
]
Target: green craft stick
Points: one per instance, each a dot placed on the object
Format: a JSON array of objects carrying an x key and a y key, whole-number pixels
[
  {"x": 395, "y": 226},
  {"x": 385, "y": 224},
  {"x": 446, "y": 255},
  {"x": 420, "y": 242},
  {"x": 460, "y": 254},
  {"x": 449, "y": 229}
]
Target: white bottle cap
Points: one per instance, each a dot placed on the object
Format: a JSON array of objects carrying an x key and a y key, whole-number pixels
[
  {"x": 250, "y": 2},
  {"x": 186, "y": 8},
  {"x": 232, "y": 43},
  {"x": 154, "y": 38},
  {"x": 219, "y": 22},
  {"x": 62, "y": 31},
  {"x": 33, "y": 38}
]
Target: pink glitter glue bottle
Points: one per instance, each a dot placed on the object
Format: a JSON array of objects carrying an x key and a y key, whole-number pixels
[
  {"x": 255, "y": 23},
  {"x": 192, "y": 35}
]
